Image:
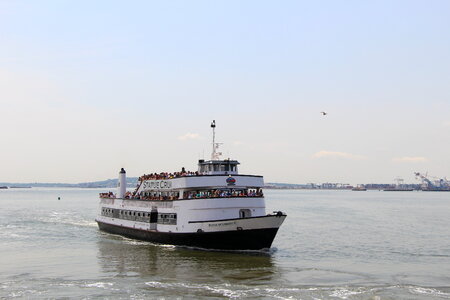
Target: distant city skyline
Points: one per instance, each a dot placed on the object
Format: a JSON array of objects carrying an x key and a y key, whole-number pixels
[{"x": 89, "y": 87}]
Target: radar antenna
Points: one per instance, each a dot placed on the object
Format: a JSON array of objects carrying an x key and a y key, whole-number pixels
[{"x": 215, "y": 146}]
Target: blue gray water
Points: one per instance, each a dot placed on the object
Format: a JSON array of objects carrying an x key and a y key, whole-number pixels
[{"x": 333, "y": 245}]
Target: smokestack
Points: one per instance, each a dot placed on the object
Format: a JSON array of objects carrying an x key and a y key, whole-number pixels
[{"x": 122, "y": 184}]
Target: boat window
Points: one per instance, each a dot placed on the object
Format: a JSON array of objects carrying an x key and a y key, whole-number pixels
[{"x": 169, "y": 219}]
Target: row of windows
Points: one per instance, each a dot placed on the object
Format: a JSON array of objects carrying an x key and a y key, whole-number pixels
[
  {"x": 170, "y": 219},
  {"x": 207, "y": 193},
  {"x": 107, "y": 212},
  {"x": 218, "y": 167},
  {"x": 140, "y": 216},
  {"x": 133, "y": 213}
]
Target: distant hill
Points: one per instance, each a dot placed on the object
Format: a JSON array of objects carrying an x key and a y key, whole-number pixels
[
  {"x": 108, "y": 183},
  {"x": 132, "y": 182}
]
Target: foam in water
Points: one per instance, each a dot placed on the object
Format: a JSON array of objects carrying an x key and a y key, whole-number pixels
[
  {"x": 429, "y": 291},
  {"x": 344, "y": 293},
  {"x": 102, "y": 285},
  {"x": 241, "y": 291}
]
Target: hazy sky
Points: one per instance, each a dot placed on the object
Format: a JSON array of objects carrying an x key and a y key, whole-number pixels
[{"x": 88, "y": 87}]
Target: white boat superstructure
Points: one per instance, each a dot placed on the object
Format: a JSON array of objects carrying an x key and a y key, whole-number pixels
[{"x": 214, "y": 208}]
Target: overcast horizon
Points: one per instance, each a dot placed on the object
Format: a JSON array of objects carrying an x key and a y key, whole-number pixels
[{"x": 88, "y": 87}]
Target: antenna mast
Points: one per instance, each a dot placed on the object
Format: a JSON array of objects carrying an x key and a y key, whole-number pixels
[{"x": 214, "y": 155}]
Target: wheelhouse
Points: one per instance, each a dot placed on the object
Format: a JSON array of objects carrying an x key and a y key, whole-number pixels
[{"x": 218, "y": 167}]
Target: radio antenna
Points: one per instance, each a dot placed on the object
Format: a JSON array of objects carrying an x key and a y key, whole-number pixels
[{"x": 214, "y": 155}]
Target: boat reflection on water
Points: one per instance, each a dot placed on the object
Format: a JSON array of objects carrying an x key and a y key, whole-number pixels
[{"x": 120, "y": 257}]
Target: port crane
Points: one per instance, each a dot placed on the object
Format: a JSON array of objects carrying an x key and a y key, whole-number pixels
[
  {"x": 399, "y": 181},
  {"x": 433, "y": 184}
]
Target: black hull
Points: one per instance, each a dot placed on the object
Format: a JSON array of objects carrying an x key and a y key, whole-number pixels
[{"x": 255, "y": 239}]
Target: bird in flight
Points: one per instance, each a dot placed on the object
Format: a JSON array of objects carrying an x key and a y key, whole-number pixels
[{"x": 323, "y": 113}]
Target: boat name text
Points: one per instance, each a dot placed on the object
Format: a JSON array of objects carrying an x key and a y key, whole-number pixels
[
  {"x": 157, "y": 184},
  {"x": 221, "y": 224}
]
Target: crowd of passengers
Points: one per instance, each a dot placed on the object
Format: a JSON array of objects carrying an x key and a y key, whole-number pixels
[
  {"x": 204, "y": 195},
  {"x": 107, "y": 195},
  {"x": 222, "y": 194},
  {"x": 156, "y": 198},
  {"x": 191, "y": 195},
  {"x": 128, "y": 195},
  {"x": 165, "y": 175}
]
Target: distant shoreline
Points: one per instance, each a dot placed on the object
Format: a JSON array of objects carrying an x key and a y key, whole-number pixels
[{"x": 132, "y": 182}]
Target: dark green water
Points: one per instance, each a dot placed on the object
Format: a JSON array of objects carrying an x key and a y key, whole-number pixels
[{"x": 333, "y": 245}]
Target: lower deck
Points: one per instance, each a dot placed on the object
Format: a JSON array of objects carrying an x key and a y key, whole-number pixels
[
  {"x": 235, "y": 224},
  {"x": 177, "y": 215},
  {"x": 237, "y": 239}
]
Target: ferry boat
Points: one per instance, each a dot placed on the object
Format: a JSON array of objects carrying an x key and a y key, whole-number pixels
[{"x": 212, "y": 208}]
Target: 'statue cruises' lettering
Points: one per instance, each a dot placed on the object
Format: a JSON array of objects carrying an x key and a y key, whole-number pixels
[{"x": 159, "y": 184}]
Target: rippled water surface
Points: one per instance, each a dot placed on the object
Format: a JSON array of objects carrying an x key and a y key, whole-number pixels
[{"x": 333, "y": 245}]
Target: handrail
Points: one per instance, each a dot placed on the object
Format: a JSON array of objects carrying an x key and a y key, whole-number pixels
[{"x": 194, "y": 198}]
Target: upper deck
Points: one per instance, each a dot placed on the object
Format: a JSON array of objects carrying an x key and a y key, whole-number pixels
[
  {"x": 214, "y": 178},
  {"x": 203, "y": 182}
]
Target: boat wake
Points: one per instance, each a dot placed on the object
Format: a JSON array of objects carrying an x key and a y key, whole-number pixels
[{"x": 66, "y": 218}]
